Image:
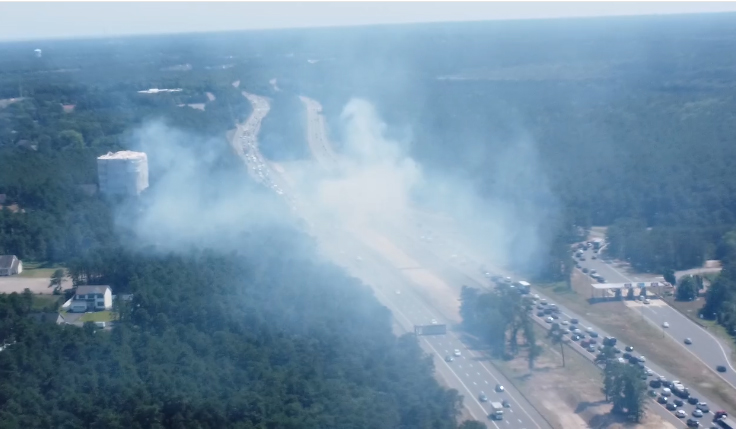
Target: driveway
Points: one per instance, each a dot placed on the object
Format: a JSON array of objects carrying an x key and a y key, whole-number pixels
[{"x": 16, "y": 284}]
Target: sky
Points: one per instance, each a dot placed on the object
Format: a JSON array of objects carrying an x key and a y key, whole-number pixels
[{"x": 46, "y": 20}]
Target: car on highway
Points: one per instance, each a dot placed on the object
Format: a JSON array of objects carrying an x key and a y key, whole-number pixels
[
  {"x": 670, "y": 407},
  {"x": 646, "y": 301},
  {"x": 693, "y": 423},
  {"x": 499, "y": 388},
  {"x": 449, "y": 359},
  {"x": 697, "y": 413},
  {"x": 505, "y": 403},
  {"x": 629, "y": 348},
  {"x": 482, "y": 397},
  {"x": 666, "y": 324},
  {"x": 721, "y": 368},
  {"x": 688, "y": 341},
  {"x": 662, "y": 400},
  {"x": 703, "y": 407},
  {"x": 457, "y": 353},
  {"x": 693, "y": 400},
  {"x": 680, "y": 414}
]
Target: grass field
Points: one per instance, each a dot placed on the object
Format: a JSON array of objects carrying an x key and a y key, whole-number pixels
[
  {"x": 43, "y": 301},
  {"x": 623, "y": 322},
  {"x": 102, "y": 316},
  {"x": 34, "y": 269}
]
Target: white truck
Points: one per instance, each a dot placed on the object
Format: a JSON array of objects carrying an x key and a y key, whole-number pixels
[{"x": 496, "y": 411}]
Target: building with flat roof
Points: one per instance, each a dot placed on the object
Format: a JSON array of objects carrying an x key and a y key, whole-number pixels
[{"x": 122, "y": 173}]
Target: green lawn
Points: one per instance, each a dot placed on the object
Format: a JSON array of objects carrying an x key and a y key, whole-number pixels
[
  {"x": 35, "y": 269},
  {"x": 43, "y": 301},
  {"x": 101, "y": 316}
]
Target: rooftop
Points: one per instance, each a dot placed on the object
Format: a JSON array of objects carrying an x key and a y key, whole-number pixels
[
  {"x": 123, "y": 155},
  {"x": 92, "y": 289},
  {"x": 6, "y": 261}
]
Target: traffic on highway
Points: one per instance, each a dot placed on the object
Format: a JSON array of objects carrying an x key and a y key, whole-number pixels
[
  {"x": 705, "y": 346},
  {"x": 482, "y": 386}
]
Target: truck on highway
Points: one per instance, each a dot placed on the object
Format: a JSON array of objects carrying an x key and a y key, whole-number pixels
[
  {"x": 725, "y": 422},
  {"x": 496, "y": 411}
]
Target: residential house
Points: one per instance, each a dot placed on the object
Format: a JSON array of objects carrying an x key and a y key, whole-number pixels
[
  {"x": 89, "y": 298},
  {"x": 10, "y": 265}
]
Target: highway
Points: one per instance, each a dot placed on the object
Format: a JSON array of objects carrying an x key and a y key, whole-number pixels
[
  {"x": 705, "y": 346},
  {"x": 470, "y": 370},
  {"x": 467, "y": 373},
  {"x": 440, "y": 247}
]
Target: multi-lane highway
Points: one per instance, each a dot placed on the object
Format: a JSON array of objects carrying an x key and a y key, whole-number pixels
[
  {"x": 440, "y": 246},
  {"x": 705, "y": 345},
  {"x": 468, "y": 373}
]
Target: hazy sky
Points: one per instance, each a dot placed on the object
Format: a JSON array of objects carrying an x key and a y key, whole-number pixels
[{"x": 41, "y": 20}]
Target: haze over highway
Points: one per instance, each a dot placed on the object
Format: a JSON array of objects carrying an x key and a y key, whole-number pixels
[
  {"x": 469, "y": 374},
  {"x": 424, "y": 243}
]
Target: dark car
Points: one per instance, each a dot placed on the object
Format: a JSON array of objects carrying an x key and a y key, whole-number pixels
[
  {"x": 506, "y": 404},
  {"x": 652, "y": 393},
  {"x": 540, "y": 313},
  {"x": 585, "y": 270},
  {"x": 693, "y": 400},
  {"x": 590, "y": 348},
  {"x": 662, "y": 400},
  {"x": 654, "y": 383},
  {"x": 449, "y": 359},
  {"x": 575, "y": 338},
  {"x": 721, "y": 368},
  {"x": 692, "y": 423},
  {"x": 670, "y": 407},
  {"x": 626, "y": 355},
  {"x": 593, "y": 341},
  {"x": 629, "y": 348},
  {"x": 679, "y": 403}
]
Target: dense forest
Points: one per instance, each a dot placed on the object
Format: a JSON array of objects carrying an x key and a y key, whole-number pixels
[
  {"x": 221, "y": 341},
  {"x": 251, "y": 332}
]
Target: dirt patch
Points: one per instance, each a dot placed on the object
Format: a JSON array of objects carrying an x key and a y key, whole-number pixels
[
  {"x": 631, "y": 329},
  {"x": 570, "y": 396}
]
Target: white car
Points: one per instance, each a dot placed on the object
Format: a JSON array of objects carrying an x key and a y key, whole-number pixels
[
  {"x": 666, "y": 324},
  {"x": 549, "y": 319},
  {"x": 457, "y": 353},
  {"x": 680, "y": 414},
  {"x": 646, "y": 301},
  {"x": 565, "y": 322},
  {"x": 697, "y": 413}
]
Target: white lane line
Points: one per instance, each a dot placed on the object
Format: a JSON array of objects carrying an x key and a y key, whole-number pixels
[
  {"x": 446, "y": 364},
  {"x": 474, "y": 383},
  {"x": 452, "y": 335},
  {"x": 485, "y": 382},
  {"x": 478, "y": 373},
  {"x": 518, "y": 420}
]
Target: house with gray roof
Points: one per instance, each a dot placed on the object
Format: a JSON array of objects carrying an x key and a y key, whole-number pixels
[
  {"x": 90, "y": 298},
  {"x": 10, "y": 265}
]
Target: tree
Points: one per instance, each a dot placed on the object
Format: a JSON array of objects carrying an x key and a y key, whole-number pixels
[
  {"x": 624, "y": 387},
  {"x": 71, "y": 139},
  {"x": 56, "y": 279},
  {"x": 687, "y": 290},
  {"x": 669, "y": 276},
  {"x": 472, "y": 424}
]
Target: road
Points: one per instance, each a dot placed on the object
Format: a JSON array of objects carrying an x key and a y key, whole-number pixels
[
  {"x": 440, "y": 247},
  {"x": 469, "y": 374},
  {"x": 705, "y": 347}
]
